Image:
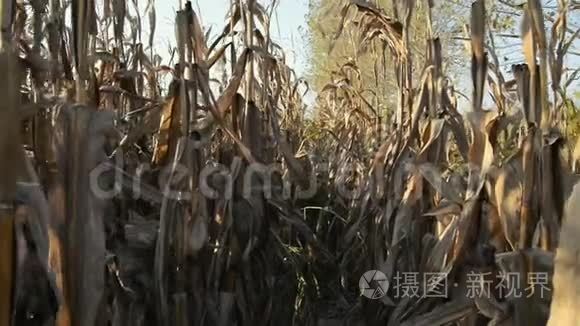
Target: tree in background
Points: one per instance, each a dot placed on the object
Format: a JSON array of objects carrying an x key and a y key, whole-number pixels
[
  {"x": 330, "y": 51},
  {"x": 337, "y": 57},
  {"x": 450, "y": 24}
]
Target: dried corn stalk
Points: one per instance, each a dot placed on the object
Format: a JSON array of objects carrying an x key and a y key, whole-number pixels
[
  {"x": 564, "y": 309},
  {"x": 10, "y": 147}
]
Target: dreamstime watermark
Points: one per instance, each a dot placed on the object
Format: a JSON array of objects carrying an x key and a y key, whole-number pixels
[
  {"x": 109, "y": 179},
  {"x": 216, "y": 180},
  {"x": 375, "y": 284}
]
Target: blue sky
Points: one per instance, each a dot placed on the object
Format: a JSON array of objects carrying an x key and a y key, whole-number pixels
[{"x": 288, "y": 28}]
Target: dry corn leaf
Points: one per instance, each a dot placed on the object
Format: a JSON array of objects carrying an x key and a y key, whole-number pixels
[
  {"x": 529, "y": 44},
  {"x": 481, "y": 150},
  {"x": 450, "y": 312},
  {"x": 508, "y": 193},
  {"x": 564, "y": 309},
  {"x": 478, "y": 30},
  {"x": 479, "y": 58},
  {"x": 167, "y": 133}
]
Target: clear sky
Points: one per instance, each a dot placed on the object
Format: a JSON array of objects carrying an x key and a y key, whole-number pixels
[{"x": 288, "y": 26}]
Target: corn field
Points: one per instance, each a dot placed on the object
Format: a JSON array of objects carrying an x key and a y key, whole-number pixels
[{"x": 199, "y": 189}]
